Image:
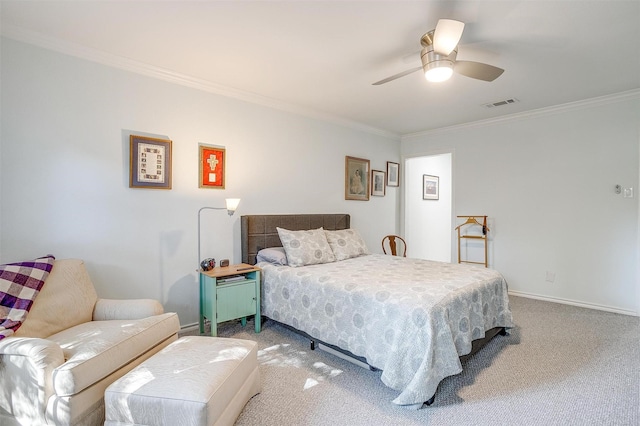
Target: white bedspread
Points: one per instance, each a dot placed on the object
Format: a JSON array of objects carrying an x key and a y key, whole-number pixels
[{"x": 411, "y": 318}]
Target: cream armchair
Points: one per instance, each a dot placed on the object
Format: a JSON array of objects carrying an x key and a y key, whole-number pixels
[{"x": 72, "y": 345}]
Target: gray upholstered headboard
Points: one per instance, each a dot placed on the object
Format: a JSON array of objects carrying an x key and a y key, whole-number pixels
[{"x": 259, "y": 231}]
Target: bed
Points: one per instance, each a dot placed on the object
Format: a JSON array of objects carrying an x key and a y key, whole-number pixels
[{"x": 411, "y": 318}]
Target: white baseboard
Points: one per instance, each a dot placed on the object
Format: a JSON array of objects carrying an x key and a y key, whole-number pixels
[
  {"x": 189, "y": 328},
  {"x": 575, "y": 303}
]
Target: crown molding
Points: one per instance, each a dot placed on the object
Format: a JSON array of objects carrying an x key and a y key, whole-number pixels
[
  {"x": 570, "y": 106},
  {"x": 131, "y": 65}
]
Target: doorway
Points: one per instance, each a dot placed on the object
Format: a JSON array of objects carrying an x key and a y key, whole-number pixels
[{"x": 428, "y": 222}]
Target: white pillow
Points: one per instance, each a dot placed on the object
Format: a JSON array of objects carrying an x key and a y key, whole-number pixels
[
  {"x": 346, "y": 243},
  {"x": 274, "y": 255},
  {"x": 306, "y": 247}
]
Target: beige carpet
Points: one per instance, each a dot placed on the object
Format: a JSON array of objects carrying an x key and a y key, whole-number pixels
[{"x": 561, "y": 365}]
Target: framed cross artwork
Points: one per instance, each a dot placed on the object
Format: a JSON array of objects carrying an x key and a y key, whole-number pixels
[{"x": 212, "y": 166}]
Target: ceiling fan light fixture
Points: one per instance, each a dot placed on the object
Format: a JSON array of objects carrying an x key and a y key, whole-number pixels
[
  {"x": 439, "y": 73},
  {"x": 437, "y": 68},
  {"x": 439, "y": 53},
  {"x": 447, "y": 35}
]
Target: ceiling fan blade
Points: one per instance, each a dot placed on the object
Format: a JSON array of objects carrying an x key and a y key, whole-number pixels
[
  {"x": 393, "y": 77},
  {"x": 447, "y": 35},
  {"x": 477, "y": 70}
]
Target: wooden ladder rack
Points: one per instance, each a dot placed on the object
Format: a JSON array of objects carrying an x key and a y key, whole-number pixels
[{"x": 473, "y": 220}]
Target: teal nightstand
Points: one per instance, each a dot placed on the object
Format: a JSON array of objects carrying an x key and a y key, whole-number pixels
[{"x": 228, "y": 293}]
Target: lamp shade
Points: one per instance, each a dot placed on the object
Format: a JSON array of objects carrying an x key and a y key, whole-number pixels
[
  {"x": 447, "y": 35},
  {"x": 232, "y": 205}
]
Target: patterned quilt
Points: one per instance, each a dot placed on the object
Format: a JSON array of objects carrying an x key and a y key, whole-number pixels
[
  {"x": 410, "y": 318},
  {"x": 20, "y": 283}
]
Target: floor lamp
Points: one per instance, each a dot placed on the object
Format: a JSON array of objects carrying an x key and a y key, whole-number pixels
[{"x": 232, "y": 205}]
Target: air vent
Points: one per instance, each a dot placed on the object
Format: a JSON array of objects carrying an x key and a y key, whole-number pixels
[{"x": 501, "y": 103}]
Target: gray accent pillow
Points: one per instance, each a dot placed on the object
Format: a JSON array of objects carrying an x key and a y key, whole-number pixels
[
  {"x": 346, "y": 243},
  {"x": 274, "y": 255},
  {"x": 306, "y": 247}
]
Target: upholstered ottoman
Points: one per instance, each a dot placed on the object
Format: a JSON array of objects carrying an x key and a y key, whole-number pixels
[{"x": 195, "y": 380}]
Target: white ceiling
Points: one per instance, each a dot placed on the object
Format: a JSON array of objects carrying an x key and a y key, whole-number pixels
[{"x": 322, "y": 56}]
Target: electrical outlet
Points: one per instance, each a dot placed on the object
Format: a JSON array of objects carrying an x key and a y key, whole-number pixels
[{"x": 551, "y": 277}]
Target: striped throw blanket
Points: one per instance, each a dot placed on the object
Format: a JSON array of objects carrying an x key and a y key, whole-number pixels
[{"x": 20, "y": 283}]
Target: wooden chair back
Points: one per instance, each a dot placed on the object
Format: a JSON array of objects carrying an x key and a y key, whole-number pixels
[{"x": 392, "y": 242}]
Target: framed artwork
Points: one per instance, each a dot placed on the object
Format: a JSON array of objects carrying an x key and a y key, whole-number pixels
[
  {"x": 430, "y": 187},
  {"x": 149, "y": 162},
  {"x": 356, "y": 179},
  {"x": 212, "y": 166},
  {"x": 378, "y": 183},
  {"x": 393, "y": 174}
]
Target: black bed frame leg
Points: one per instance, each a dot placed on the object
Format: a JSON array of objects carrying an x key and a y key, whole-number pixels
[
  {"x": 430, "y": 400},
  {"x": 503, "y": 332},
  {"x": 313, "y": 345}
]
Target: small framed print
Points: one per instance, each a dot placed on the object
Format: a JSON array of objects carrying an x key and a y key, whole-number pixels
[
  {"x": 149, "y": 162},
  {"x": 393, "y": 174},
  {"x": 356, "y": 179},
  {"x": 378, "y": 183},
  {"x": 430, "y": 187},
  {"x": 212, "y": 166}
]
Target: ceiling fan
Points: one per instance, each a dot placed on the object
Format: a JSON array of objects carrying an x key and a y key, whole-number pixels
[{"x": 439, "y": 51}]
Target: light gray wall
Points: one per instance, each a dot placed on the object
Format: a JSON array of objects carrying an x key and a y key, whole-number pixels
[
  {"x": 547, "y": 182},
  {"x": 65, "y": 173}
]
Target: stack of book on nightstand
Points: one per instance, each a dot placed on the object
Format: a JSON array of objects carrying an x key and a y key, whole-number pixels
[{"x": 230, "y": 279}]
